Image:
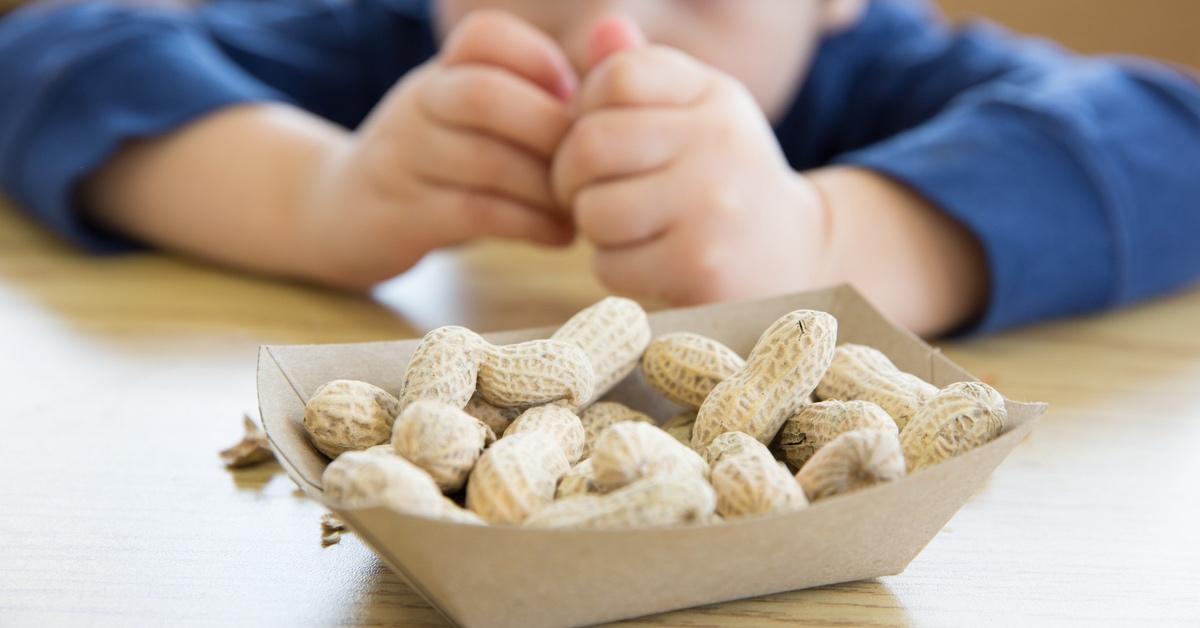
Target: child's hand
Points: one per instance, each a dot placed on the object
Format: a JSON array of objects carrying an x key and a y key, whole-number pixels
[
  {"x": 673, "y": 172},
  {"x": 460, "y": 149}
]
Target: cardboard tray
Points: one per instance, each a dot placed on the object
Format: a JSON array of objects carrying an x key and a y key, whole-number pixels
[{"x": 510, "y": 576}]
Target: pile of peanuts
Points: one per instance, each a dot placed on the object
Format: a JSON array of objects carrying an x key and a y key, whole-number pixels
[{"x": 515, "y": 434}]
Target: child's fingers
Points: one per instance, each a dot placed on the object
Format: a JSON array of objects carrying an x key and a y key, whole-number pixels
[
  {"x": 459, "y": 215},
  {"x": 612, "y": 144},
  {"x": 476, "y": 161},
  {"x": 648, "y": 76},
  {"x": 612, "y": 35},
  {"x": 626, "y": 212},
  {"x": 497, "y": 38},
  {"x": 493, "y": 101},
  {"x": 671, "y": 268},
  {"x": 642, "y": 270}
]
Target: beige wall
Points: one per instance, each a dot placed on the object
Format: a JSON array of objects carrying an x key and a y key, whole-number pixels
[{"x": 1168, "y": 29}]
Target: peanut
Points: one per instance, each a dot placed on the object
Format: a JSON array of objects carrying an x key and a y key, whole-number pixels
[
  {"x": 680, "y": 427},
  {"x": 603, "y": 414},
  {"x": 577, "y": 481},
  {"x": 784, "y": 367},
  {"x": 729, "y": 444},
  {"x": 685, "y": 367},
  {"x": 749, "y": 481},
  {"x": 515, "y": 477},
  {"x": 442, "y": 440},
  {"x": 859, "y": 372},
  {"x": 628, "y": 451},
  {"x": 534, "y": 373},
  {"x": 444, "y": 367},
  {"x": 346, "y": 415},
  {"x": 498, "y": 419},
  {"x": 365, "y": 480},
  {"x": 558, "y": 422},
  {"x": 961, "y": 417},
  {"x": 852, "y": 461},
  {"x": 613, "y": 333},
  {"x": 659, "y": 500},
  {"x": 817, "y": 424}
]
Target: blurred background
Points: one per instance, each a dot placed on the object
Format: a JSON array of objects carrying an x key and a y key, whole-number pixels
[
  {"x": 1159, "y": 28},
  {"x": 1166, "y": 29}
]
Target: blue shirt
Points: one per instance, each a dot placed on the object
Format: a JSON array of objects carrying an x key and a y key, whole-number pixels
[{"x": 1078, "y": 175}]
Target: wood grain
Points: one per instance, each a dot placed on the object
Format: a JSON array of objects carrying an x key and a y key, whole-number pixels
[{"x": 123, "y": 377}]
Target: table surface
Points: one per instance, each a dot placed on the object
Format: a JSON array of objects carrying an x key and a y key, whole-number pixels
[{"x": 122, "y": 378}]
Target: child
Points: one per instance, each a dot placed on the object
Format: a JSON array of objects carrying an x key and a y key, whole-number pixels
[{"x": 709, "y": 149}]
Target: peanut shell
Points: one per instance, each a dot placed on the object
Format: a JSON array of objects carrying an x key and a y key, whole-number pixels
[
  {"x": 659, "y": 500},
  {"x": 784, "y": 367},
  {"x": 515, "y": 477},
  {"x": 859, "y": 372},
  {"x": 961, "y": 417},
  {"x": 817, "y": 424},
  {"x": 444, "y": 367},
  {"x": 685, "y": 367},
  {"x": 442, "y": 440},
  {"x": 347, "y": 415},
  {"x": 364, "y": 480},
  {"x": 628, "y": 451},
  {"x": 534, "y": 373},
  {"x": 577, "y": 481},
  {"x": 680, "y": 427},
  {"x": 603, "y": 414},
  {"x": 557, "y": 421},
  {"x": 613, "y": 333},
  {"x": 498, "y": 419},
  {"x": 852, "y": 461},
  {"x": 749, "y": 481}
]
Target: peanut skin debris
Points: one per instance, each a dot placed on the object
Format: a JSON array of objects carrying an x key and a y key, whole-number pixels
[
  {"x": 253, "y": 449},
  {"x": 819, "y": 423},
  {"x": 613, "y": 333},
  {"x": 442, "y": 440},
  {"x": 859, "y": 372},
  {"x": 852, "y": 461},
  {"x": 685, "y": 367},
  {"x": 346, "y": 415},
  {"x": 784, "y": 367},
  {"x": 961, "y": 417},
  {"x": 332, "y": 529}
]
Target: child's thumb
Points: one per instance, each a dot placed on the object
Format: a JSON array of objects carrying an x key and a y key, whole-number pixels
[{"x": 612, "y": 35}]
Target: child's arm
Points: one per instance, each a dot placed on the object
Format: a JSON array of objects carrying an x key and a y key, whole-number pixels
[
  {"x": 232, "y": 171},
  {"x": 1075, "y": 174}
]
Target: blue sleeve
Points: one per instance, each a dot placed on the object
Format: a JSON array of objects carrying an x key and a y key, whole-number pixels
[
  {"x": 1076, "y": 174},
  {"x": 78, "y": 81}
]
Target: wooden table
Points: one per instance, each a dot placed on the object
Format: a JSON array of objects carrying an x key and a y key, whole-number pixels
[{"x": 122, "y": 377}]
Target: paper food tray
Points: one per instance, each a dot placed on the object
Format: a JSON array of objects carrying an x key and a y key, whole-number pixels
[{"x": 511, "y": 576}]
